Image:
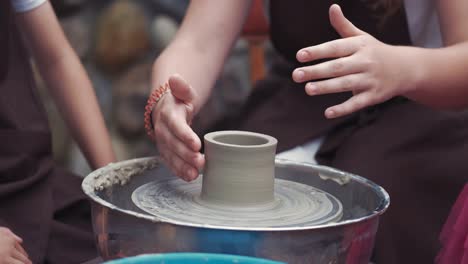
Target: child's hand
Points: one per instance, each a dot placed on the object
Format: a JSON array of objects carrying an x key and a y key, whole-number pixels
[
  {"x": 11, "y": 251},
  {"x": 178, "y": 145},
  {"x": 370, "y": 69}
]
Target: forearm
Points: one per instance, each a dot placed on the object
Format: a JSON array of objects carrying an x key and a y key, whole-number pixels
[
  {"x": 439, "y": 76},
  {"x": 75, "y": 97},
  {"x": 196, "y": 69},
  {"x": 201, "y": 45},
  {"x": 68, "y": 83}
]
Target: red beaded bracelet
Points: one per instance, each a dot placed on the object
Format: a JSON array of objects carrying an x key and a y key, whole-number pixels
[{"x": 153, "y": 99}]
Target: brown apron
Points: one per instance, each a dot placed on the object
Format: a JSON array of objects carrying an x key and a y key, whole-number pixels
[
  {"x": 39, "y": 202},
  {"x": 417, "y": 154}
]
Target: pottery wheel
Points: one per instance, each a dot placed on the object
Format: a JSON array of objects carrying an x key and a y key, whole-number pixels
[{"x": 295, "y": 205}]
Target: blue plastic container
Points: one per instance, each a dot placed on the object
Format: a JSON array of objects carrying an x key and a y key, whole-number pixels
[{"x": 191, "y": 258}]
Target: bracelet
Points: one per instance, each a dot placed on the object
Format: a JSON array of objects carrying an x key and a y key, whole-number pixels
[{"x": 153, "y": 99}]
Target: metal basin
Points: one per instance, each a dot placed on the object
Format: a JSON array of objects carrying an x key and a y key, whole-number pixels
[{"x": 122, "y": 229}]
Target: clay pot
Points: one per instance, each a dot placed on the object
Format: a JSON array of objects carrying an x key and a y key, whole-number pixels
[{"x": 239, "y": 169}]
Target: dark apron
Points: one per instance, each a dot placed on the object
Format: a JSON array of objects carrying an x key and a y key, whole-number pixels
[
  {"x": 38, "y": 202},
  {"x": 417, "y": 154}
]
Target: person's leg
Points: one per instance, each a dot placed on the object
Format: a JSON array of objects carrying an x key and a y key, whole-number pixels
[
  {"x": 71, "y": 237},
  {"x": 419, "y": 157}
]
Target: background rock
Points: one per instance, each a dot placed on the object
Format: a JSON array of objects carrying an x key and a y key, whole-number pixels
[
  {"x": 163, "y": 30},
  {"x": 173, "y": 8},
  {"x": 117, "y": 41},
  {"x": 78, "y": 33},
  {"x": 66, "y": 7},
  {"x": 122, "y": 35},
  {"x": 230, "y": 92},
  {"x": 130, "y": 95}
]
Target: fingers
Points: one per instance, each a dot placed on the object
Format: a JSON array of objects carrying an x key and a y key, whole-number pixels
[
  {"x": 329, "y": 69},
  {"x": 11, "y": 250},
  {"x": 181, "y": 89},
  {"x": 353, "y": 104},
  {"x": 187, "y": 170},
  {"x": 173, "y": 130},
  {"x": 178, "y": 144},
  {"x": 17, "y": 255},
  {"x": 180, "y": 128},
  {"x": 17, "y": 238},
  {"x": 345, "y": 83},
  {"x": 12, "y": 260},
  {"x": 336, "y": 48},
  {"x": 332, "y": 49},
  {"x": 178, "y": 166},
  {"x": 341, "y": 24},
  {"x": 9, "y": 232},
  {"x": 175, "y": 145},
  {"x": 21, "y": 249}
]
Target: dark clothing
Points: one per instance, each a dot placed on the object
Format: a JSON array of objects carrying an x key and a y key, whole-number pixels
[
  {"x": 417, "y": 154},
  {"x": 39, "y": 202}
]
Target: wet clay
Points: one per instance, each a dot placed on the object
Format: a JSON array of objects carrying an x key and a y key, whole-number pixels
[
  {"x": 118, "y": 174},
  {"x": 296, "y": 205},
  {"x": 238, "y": 189},
  {"x": 239, "y": 169}
]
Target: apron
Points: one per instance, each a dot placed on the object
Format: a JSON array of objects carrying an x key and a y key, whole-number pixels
[
  {"x": 417, "y": 154},
  {"x": 38, "y": 201}
]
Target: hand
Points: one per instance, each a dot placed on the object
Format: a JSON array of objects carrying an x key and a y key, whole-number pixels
[
  {"x": 178, "y": 145},
  {"x": 11, "y": 251},
  {"x": 372, "y": 70}
]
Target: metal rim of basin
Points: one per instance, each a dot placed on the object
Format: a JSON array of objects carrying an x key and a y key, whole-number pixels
[{"x": 89, "y": 189}]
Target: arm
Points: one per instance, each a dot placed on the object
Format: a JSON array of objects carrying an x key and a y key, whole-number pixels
[
  {"x": 376, "y": 72},
  {"x": 443, "y": 80},
  {"x": 201, "y": 45},
  {"x": 196, "y": 55},
  {"x": 68, "y": 83}
]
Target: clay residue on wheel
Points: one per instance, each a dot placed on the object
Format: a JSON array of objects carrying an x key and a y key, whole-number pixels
[
  {"x": 120, "y": 174},
  {"x": 296, "y": 204}
]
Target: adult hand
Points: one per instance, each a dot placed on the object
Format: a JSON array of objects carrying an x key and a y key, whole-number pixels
[
  {"x": 178, "y": 145},
  {"x": 372, "y": 70},
  {"x": 11, "y": 251}
]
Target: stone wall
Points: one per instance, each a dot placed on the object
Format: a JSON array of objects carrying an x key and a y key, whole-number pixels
[{"x": 117, "y": 42}]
